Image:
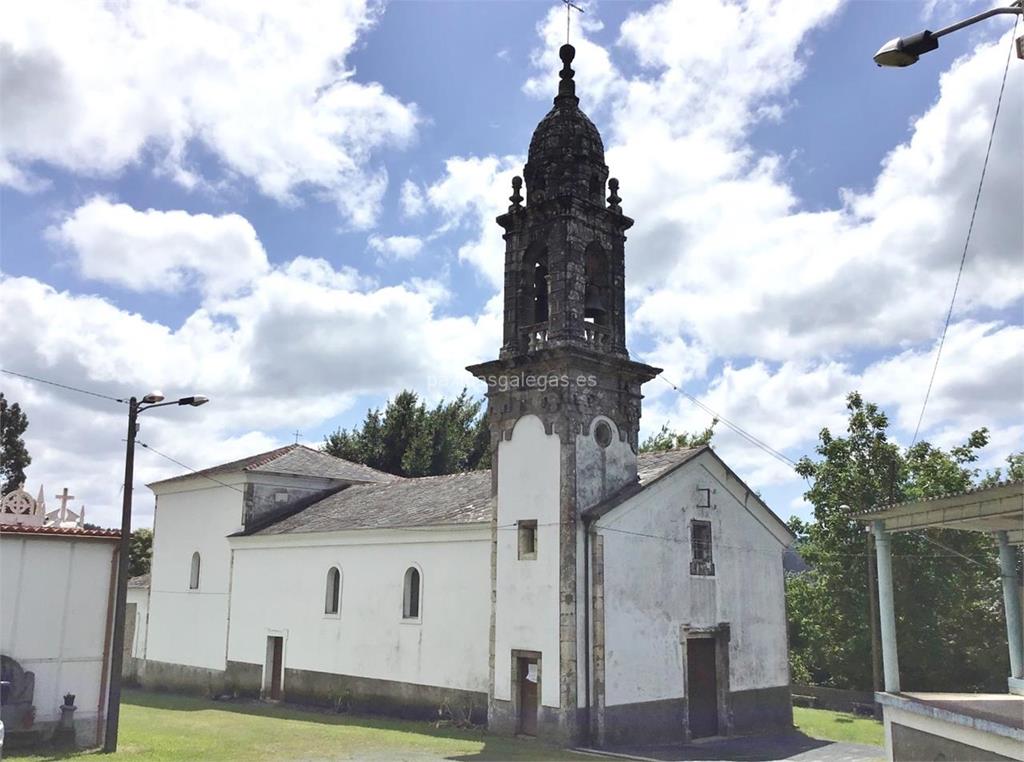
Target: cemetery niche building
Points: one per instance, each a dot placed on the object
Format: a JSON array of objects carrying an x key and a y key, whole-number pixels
[
  {"x": 577, "y": 591},
  {"x": 57, "y": 588}
]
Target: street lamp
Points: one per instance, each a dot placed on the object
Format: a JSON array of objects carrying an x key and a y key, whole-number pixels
[
  {"x": 904, "y": 51},
  {"x": 135, "y": 406}
]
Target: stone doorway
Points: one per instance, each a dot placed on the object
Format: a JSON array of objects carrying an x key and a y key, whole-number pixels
[
  {"x": 275, "y": 667},
  {"x": 526, "y": 691}
]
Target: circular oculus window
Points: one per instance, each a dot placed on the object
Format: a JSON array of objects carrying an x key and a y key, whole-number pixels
[{"x": 603, "y": 434}]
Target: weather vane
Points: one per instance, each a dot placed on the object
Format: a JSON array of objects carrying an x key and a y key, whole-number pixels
[{"x": 569, "y": 6}]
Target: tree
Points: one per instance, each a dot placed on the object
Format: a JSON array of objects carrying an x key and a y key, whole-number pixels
[
  {"x": 408, "y": 439},
  {"x": 666, "y": 439},
  {"x": 140, "y": 552},
  {"x": 14, "y": 457},
  {"x": 948, "y": 607}
]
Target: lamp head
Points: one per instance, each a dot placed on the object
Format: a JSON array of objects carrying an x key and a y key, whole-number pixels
[
  {"x": 904, "y": 51},
  {"x": 195, "y": 400},
  {"x": 153, "y": 397}
]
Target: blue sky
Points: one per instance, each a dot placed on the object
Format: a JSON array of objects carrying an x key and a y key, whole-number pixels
[{"x": 293, "y": 213}]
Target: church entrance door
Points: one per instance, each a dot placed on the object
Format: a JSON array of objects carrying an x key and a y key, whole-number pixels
[
  {"x": 529, "y": 695},
  {"x": 702, "y": 687},
  {"x": 275, "y": 660}
]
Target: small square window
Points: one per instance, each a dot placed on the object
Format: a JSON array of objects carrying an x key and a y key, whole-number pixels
[
  {"x": 703, "y": 497},
  {"x": 701, "y": 558},
  {"x": 527, "y": 540}
]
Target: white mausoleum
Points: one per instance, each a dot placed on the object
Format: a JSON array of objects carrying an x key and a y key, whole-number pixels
[{"x": 577, "y": 591}]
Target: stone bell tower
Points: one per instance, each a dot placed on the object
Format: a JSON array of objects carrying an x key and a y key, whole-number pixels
[{"x": 564, "y": 411}]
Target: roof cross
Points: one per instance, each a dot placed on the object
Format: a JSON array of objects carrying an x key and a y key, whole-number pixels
[
  {"x": 64, "y": 498},
  {"x": 297, "y": 434},
  {"x": 569, "y": 7}
]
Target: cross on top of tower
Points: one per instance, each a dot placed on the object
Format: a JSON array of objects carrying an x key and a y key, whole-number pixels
[{"x": 569, "y": 7}]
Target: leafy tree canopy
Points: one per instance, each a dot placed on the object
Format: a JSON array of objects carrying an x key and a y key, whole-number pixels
[
  {"x": 410, "y": 439},
  {"x": 946, "y": 583},
  {"x": 14, "y": 457},
  {"x": 665, "y": 439},
  {"x": 140, "y": 552}
]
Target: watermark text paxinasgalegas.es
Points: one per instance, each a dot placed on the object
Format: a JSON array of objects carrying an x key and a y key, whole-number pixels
[{"x": 505, "y": 381}]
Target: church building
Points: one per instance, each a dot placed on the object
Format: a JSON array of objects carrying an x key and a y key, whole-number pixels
[{"x": 577, "y": 591}]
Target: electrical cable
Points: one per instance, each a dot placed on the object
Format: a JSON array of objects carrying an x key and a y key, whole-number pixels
[
  {"x": 63, "y": 386},
  {"x": 970, "y": 229}
]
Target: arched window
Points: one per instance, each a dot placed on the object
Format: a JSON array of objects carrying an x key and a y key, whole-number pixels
[
  {"x": 535, "y": 285},
  {"x": 193, "y": 575},
  {"x": 332, "y": 599},
  {"x": 595, "y": 308},
  {"x": 412, "y": 594}
]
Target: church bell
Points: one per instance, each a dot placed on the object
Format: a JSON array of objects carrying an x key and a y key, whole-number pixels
[{"x": 593, "y": 303}]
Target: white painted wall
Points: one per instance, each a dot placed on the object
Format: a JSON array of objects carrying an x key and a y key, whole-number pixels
[
  {"x": 527, "y": 591},
  {"x": 280, "y": 584},
  {"x": 190, "y": 626},
  {"x": 649, "y": 591},
  {"x": 140, "y": 597},
  {"x": 54, "y": 595}
]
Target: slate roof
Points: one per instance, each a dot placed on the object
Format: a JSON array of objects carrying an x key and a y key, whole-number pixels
[
  {"x": 296, "y": 460},
  {"x": 429, "y": 501},
  {"x": 141, "y": 581}
]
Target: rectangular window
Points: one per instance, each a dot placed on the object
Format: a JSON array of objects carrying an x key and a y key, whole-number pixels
[
  {"x": 703, "y": 497},
  {"x": 527, "y": 540},
  {"x": 701, "y": 558}
]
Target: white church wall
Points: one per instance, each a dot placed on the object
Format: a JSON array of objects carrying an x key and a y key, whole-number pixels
[
  {"x": 650, "y": 593},
  {"x": 53, "y": 621},
  {"x": 527, "y": 608},
  {"x": 189, "y": 627},
  {"x": 280, "y": 586},
  {"x": 139, "y": 596}
]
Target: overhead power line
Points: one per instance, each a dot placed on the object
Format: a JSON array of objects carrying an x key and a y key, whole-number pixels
[
  {"x": 746, "y": 435},
  {"x": 967, "y": 241},
  {"x": 62, "y": 386}
]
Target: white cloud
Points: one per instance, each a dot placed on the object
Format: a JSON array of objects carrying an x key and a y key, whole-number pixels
[
  {"x": 472, "y": 192},
  {"x": 95, "y": 87},
  {"x": 295, "y": 348},
  {"x": 162, "y": 251},
  {"x": 411, "y": 200},
  {"x": 396, "y": 246}
]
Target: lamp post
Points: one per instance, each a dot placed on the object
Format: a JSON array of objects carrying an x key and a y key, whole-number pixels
[
  {"x": 154, "y": 399},
  {"x": 904, "y": 51}
]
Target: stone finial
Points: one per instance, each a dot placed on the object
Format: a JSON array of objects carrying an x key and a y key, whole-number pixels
[
  {"x": 516, "y": 198},
  {"x": 566, "y": 85},
  {"x": 613, "y": 198}
]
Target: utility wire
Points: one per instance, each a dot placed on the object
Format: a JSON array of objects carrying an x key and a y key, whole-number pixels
[
  {"x": 63, "y": 386},
  {"x": 189, "y": 468},
  {"x": 735, "y": 427},
  {"x": 970, "y": 229}
]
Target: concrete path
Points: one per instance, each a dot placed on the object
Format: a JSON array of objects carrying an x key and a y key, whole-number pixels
[{"x": 789, "y": 746}]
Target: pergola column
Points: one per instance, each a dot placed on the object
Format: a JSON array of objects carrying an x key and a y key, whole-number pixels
[
  {"x": 1011, "y": 604},
  {"x": 886, "y": 608}
]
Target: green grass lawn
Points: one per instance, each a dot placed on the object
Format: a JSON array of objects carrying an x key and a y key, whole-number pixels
[
  {"x": 838, "y": 726},
  {"x": 167, "y": 727}
]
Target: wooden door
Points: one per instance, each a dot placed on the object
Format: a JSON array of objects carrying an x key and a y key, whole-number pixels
[
  {"x": 702, "y": 685},
  {"x": 276, "y": 659},
  {"x": 529, "y": 696}
]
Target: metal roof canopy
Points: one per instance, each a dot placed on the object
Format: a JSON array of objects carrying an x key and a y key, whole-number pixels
[{"x": 987, "y": 509}]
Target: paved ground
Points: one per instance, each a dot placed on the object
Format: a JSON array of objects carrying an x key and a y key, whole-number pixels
[{"x": 789, "y": 746}]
